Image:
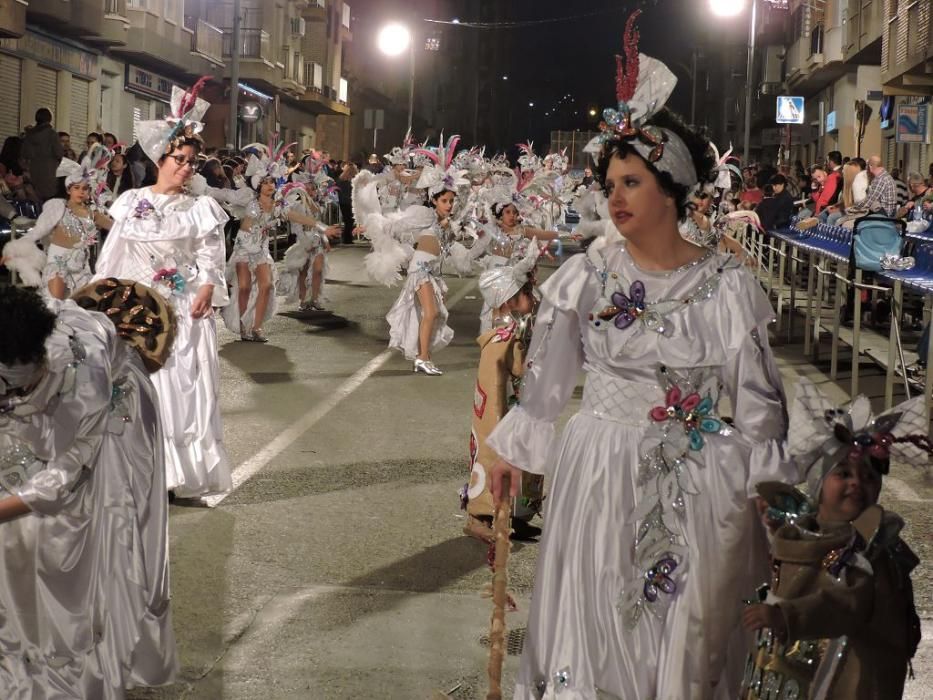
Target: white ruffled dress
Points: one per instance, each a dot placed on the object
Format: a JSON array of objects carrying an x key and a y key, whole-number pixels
[
  {"x": 651, "y": 542},
  {"x": 84, "y": 603},
  {"x": 175, "y": 243},
  {"x": 252, "y": 247},
  {"x": 309, "y": 243}
]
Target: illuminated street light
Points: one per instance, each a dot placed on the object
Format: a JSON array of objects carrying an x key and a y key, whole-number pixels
[
  {"x": 732, "y": 8},
  {"x": 531, "y": 104},
  {"x": 726, "y": 8},
  {"x": 392, "y": 40},
  {"x": 505, "y": 77},
  {"x": 592, "y": 112}
]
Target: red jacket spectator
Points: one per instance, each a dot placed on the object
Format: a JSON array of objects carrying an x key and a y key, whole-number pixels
[{"x": 829, "y": 191}]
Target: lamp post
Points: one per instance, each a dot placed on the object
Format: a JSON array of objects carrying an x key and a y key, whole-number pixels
[
  {"x": 234, "y": 76},
  {"x": 732, "y": 8},
  {"x": 392, "y": 40}
]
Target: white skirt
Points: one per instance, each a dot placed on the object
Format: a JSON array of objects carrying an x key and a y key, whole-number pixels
[
  {"x": 71, "y": 265},
  {"x": 252, "y": 249},
  {"x": 405, "y": 315}
]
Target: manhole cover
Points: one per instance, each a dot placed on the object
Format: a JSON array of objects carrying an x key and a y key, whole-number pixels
[{"x": 514, "y": 641}]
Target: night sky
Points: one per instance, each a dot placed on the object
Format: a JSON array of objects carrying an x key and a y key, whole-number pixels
[{"x": 576, "y": 56}]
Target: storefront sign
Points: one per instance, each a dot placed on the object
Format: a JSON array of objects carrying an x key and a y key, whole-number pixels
[
  {"x": 250, "y": 112},
  {"x": 831, "y": 122},
  {"x": 54, "y": 54},
  {"x": 145, "y": 82},
  {"x": 912, "y": 124}
]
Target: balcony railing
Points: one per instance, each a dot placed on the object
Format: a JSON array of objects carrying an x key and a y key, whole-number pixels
[
  {"x": 115, "y": 7},
  {"x": 208, "y": 40},
  {"x": 255, "y": 43}
]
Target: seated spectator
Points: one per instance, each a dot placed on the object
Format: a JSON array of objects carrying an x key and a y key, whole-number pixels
[
  {"x": 900, "y": 187},
  {"x": 119, "y": 177},
  {"x": 110, "y": 141},
  {"x": 921, "y": 195},
  {"x": 751, "y": 192},
  {"x": 776, "y": 211},
  {"x": 882, "y": 191}
]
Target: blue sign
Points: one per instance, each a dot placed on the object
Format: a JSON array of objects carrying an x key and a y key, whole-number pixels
[
  {"x": 789, "y": 110},
  {"x": 831, "y": 122},
  {"x": 911, "y": 124}
]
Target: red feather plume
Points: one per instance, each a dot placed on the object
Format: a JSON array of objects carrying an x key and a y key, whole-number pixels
[
  {"x": 627, "y": 72},
  {"x": 190, "y": 97}
]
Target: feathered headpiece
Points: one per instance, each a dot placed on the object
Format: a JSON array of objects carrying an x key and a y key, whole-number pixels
[
  {"x": 528, "y": 161},
  {"x": 440, "y": 173},
  {"x": 186, "y": 112},
  {"x": 823, "y": 435},
  {"x": 724, "y": 168},
  {"x": 401, "y": 154},
  {"x": 643, "y": 86},
  {"x": 557, "y": 161},
  {"x": 92, "y": 169},
  {"x": 272, "y": 163}
]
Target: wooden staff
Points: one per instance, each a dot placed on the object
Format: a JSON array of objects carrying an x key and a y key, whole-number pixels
[{"x": 500, "y": 593}]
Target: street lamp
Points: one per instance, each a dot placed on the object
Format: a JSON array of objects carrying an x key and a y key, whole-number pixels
[
  {"x": 392, "y": 40},
  {"x": 731, "y": 8},
  {"x": 233, "y": 141}
]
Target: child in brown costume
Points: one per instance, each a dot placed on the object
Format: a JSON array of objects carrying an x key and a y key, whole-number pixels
[
  {"x": 508, "y": 292},
  {"x": 839, "y": 620}
]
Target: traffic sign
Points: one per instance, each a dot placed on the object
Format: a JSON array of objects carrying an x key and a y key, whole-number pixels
[{"x": 789, "y": 110}]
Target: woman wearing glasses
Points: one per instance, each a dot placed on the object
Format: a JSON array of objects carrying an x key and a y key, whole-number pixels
[{"x": 174, "y": 242}]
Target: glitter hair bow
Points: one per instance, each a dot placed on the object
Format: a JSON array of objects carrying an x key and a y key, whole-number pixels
[
  {"x": 823, "y": 435},
  {"x": 186, "y": 112},
  {"x": 400, "y": 154},
  {"x": 643, "y": 86},
  {"x": 92, "y": 169},
  {"x": 440, "y": 173}
]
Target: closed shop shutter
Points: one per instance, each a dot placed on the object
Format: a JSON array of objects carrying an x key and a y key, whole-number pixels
[
  {"x": 79, "y": 108},
  {"x": 46, "y": 89},
  {"x": 890, "y": 155},
  {"x": 140, "y": 114},
  {"x": 10, "y": 71}
]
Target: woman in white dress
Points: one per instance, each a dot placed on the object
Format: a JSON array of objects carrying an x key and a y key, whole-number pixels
[
  {"x": 84, "y": 610},
  {"x": 67, "y": 228},
  {"x": 651, "y": 541},
  {"x": 174, "y": 242},
  {"x": 305, "y": 262}
]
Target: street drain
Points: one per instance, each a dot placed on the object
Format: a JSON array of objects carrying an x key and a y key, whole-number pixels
[{"x": 514, "y": 641}]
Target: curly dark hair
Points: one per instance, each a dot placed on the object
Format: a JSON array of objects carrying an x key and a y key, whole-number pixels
[
  {"x": 24, "y": 310},
  {"x": 696, "y": 143},
  {"x": 183, "y": 139}
]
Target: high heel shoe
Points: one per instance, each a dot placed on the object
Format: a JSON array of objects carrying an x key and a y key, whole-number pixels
[
  {"x": 257, "y": 336},
  {"x": 427, "y": 367}
]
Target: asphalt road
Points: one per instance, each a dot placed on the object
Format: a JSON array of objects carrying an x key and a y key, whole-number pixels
[{"x": 336, "y": 569}]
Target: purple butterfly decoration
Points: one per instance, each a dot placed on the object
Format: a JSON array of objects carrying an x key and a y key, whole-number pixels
[
  {"x": 629, "y": 307},
  {"x": 658, "y": 578}
]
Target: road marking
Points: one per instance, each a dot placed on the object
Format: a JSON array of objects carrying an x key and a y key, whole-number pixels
[
  {"x": 252, "y": 466},
  {"x": 901, "y": 491}
]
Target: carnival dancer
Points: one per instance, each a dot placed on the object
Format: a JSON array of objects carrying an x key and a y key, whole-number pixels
[
  {"x": 305, "y": 262},
  {"x": 171, "y": 240},
  {"x": 251, "y": 269},
  {"x": 418, "y": 318},
  {"x": 68, "y": 228},
  {"x": 84, "y": 610},
  {"x": 838, "y": 622},
  {"x": 509, "y": 292},
  {"x": 651, "y": 542}
]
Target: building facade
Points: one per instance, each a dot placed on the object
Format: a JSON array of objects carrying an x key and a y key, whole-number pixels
[{"x": 105, "y": 65}]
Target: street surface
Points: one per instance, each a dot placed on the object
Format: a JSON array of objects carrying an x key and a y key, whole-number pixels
[{"x": 337, "y": 568}]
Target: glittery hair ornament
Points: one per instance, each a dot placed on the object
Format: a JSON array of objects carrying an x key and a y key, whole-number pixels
[
  {"x": 822, "y": 435},
  {"x": 186, "y": 111},
  {"x": 271, "y": 162},
  {"x": 440, "y": 173},
  {"x": 401, "y": 154},
  {"x": 500, "y": 284},
  {"x": 643, "y": 86},
  {"x": 557, "y": 161},
  {"x": 528, "y": 160},
  {"x": 91, "y": 170}
]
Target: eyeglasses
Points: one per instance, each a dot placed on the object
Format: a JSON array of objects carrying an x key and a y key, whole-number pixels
[{"x": 182, "y": 160}]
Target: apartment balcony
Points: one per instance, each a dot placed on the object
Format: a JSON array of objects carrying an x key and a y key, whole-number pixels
[
  {"x": 165, "y": 46},
  {"x": 79, "y": 19},
  {"x": 319, "y": 98},
  {"x": 907, "y": 49},
  {"x": 12, "y": 18},
  {"x": 862, "y": 43},
  {"x": 207, "y": 40},
  {"x": 815, "y": 61},
  {"x": 258, "y": 64},
  {"x": 315, "y": 11}
]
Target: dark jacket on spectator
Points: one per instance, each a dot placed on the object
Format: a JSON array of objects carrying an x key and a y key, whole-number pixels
[
  {"x": 42, "y": 150},
  {"x": 776, "y": 212}
]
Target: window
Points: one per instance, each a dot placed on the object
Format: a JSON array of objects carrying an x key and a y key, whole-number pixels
[{"x": 342, "y": 91}]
